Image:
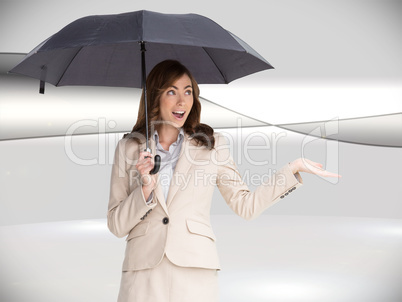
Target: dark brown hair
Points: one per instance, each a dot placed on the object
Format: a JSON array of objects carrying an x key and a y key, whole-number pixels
[{"x": 161, "y": 77}]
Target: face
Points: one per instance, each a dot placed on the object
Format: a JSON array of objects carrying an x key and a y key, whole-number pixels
[{"x": 176, "y": 102}]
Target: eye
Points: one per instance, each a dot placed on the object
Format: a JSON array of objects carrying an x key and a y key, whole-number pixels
[
  {"x": 170, "y": 92},
  {"x": 188, "y": 92}
]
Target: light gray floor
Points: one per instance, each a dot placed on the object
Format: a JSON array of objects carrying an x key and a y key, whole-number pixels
[{"x": 274, "y": 258}]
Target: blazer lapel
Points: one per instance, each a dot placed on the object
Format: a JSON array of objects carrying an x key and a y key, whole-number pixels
[{"x": 187, "y": 153}]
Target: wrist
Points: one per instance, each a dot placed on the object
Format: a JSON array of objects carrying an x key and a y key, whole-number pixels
[
  {"x": 147, "y": 188},
  {"x": 293, "y": 166}
]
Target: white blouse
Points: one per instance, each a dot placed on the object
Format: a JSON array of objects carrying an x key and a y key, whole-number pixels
[{"x": 169, "y": 160}]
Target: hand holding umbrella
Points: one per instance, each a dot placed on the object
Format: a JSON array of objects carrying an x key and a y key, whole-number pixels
[{"x": 145, "y": 166}]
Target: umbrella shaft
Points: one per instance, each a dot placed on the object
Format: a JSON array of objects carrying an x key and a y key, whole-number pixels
[{"x": 144, "y": 87}]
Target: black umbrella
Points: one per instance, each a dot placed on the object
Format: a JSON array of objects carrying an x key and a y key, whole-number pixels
[{"x": 109, "y": 50}]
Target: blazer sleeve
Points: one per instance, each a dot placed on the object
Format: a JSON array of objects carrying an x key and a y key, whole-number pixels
[
  {"x": 127, "y": 206},
  {"x": 236, "y": 193}
]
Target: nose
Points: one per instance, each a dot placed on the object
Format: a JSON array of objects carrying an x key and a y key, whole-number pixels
[{"x": 180, "y": 99}]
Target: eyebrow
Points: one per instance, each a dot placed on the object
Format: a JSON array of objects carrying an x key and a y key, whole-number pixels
[{"x": 188, "y": 86}]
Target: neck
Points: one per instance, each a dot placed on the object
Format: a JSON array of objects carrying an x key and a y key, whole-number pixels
[{"x": 168, "y": 134}]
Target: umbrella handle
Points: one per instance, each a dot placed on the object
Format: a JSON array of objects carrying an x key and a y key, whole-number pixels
[
  {"x": 157, "y": 162},
  {"x": 157, "y": 165}
]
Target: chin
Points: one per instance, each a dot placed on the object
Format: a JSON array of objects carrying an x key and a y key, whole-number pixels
[{"x": 176, "y": 124}]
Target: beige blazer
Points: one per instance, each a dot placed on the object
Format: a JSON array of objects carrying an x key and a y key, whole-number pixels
[{"x": 180, "y": 226}]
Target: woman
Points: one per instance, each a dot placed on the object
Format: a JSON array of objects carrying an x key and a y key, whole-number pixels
[{"x": 170, "y": 253}]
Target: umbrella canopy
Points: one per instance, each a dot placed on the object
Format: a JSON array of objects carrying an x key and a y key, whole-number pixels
[
  {"x": 109, "y": 50},
  {"x": 104, "y": 50}
]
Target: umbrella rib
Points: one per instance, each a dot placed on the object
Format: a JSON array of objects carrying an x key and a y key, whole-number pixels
[
  {"x": 213, "y": 61},
  {"x": 65, "y": 70}
]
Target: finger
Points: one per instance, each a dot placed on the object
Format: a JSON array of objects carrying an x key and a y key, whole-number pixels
[
  {"x": 317, "y": 168},
  {"x": 314, "y": 168},
  {"x": 326, "y": 173},
  {"x": 330, "y": 174},
  {"x": 311, "y": 167},
  {"x": 145, "y": 168},
  {"x": 315, "y": 164},
  {"x": 145, "y": 154},
  {"x": 323, "y": 172},
  {"x": 145, "y": 161}
]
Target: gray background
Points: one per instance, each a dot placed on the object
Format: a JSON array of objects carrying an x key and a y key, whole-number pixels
[
  {"x": 330, "y": 240},
  {"x": 319, "y": 48}
]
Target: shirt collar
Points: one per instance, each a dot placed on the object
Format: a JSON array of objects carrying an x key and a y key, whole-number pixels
[{"x": 179, "y": 137}]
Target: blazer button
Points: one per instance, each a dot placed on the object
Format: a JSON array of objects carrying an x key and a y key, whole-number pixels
[{"x": 165, "y": 220}]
